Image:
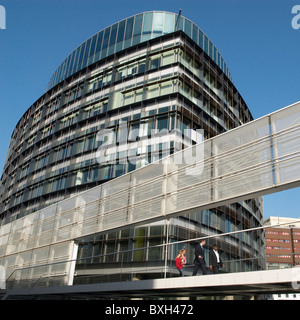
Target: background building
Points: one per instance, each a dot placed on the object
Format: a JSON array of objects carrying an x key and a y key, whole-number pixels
[
  {"x": 282, "y": 243},
  {"x": 152, "y": 71}
]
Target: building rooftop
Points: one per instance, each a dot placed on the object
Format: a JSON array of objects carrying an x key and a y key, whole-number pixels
[
  {"x": 290, "y": 222},
  {"x": 129, "y": 32}
]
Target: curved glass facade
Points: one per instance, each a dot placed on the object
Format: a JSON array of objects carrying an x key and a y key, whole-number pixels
[{"x": 129, "y": 32}]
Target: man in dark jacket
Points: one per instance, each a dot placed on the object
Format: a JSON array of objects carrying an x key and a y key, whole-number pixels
[
  {"x": 215, "y": 261},
  {"x": 199, "y": 258}
]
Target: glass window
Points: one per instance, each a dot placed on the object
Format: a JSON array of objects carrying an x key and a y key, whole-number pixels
[
  {"x": 133, "y": 131},
  {"x": 186, "y": 124},
  {"x": 92, "y": 50},
  {"x": 205, "y": 217},
  {"x": 151, "y": 126},
  {"x": 155, "y": 254},
  {"x": 112, "y": 39},
  {"x": 108, "y": 172},
  {"x": 200, "y": 39},
  {"x": 64, "y": 68},
  {"x": 215, "y": 53},
  {"x": 186, "y": 60},
  {"x": 71, "y": 63},
  {"x": 120, "y": 36},
  {"x": 137, "y": 29},
  {"x": 187, "y": 28},
  {"x": 155, "y": 62},
  {"x": 132, "y": 69},
  {"x": 179, "y": 23},
  {"x": 111, "y": 248},
  {"x": 73, "y": 56},
  {"x": 172, "y": 125},
  {"x": 168, "y": 58},
  {"x": 128, "y": 97},
  {"x": 217, "y": 58},
  {"x": 119, "y": 169},
  {"x": 210, "y": 49},
  {"x": 56, "y": 76},
  {"x": 131, "y": 166},
  {"x": 67, "y": 65},
  {"x": 113, "y": 34},
  {"x": 105, "y": 42},
  {"x": 156, "y": 231},
  {"x": 80, "y": 56},
  {"x": 158, "y": 22},
  {"x": 121, "y": 73},
  {"x": 129, "y": 27},
  {"x": 139, "y": 95},
  {"x": 152, "y": 91},
  {"x": 128, "y": 32},
  {"x": 142, "y": 67},
  {"x": 162, "y": 122},
  {"x": 147, "y": 27},
  {"x": 195, "y": 33},
  {"x": 140, "y": 242},
  {"x": 123, "y": 246},
  {"x": 143, "y": 128},
  {"x": 99, "y": 44},
  {"x": 86, "y": 53},
  {"x": 166, "y": 88},
  {"x": 206, "y": 44},
  {"x": 169, "y": 23}
]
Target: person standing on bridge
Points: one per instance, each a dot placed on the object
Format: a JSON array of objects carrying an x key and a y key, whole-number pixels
[
  {"x": 199, "y": 258},
  {"x": 215, "y": 261}
]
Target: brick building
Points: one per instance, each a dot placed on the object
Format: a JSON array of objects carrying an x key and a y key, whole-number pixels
[{"x": 282, "y": 243}]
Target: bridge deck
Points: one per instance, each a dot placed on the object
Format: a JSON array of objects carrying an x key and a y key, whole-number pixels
[{"x": 241, "y": 283}]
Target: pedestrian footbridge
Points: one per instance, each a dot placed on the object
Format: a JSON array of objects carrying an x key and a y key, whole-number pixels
[
  {"x": 225, "y": 284},
  {"x": 255, "y": 159}
]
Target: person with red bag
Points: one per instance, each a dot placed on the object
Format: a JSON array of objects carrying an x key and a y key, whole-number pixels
[{"x": 181, "y": 261}]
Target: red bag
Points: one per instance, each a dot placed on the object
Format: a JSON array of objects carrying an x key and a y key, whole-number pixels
[{"x": 179, "y": 264}]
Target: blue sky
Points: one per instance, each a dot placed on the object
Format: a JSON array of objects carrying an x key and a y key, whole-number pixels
[{"x": 255, "y": 37}]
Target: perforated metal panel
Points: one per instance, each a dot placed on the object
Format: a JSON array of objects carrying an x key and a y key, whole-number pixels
[{"x": 255, "y": 159}]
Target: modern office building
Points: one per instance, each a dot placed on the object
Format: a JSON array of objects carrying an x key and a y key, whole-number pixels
[{"x": 152, "y": 74}]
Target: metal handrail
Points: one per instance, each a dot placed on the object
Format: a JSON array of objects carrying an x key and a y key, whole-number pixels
[{"x": 152, "y": 247}]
